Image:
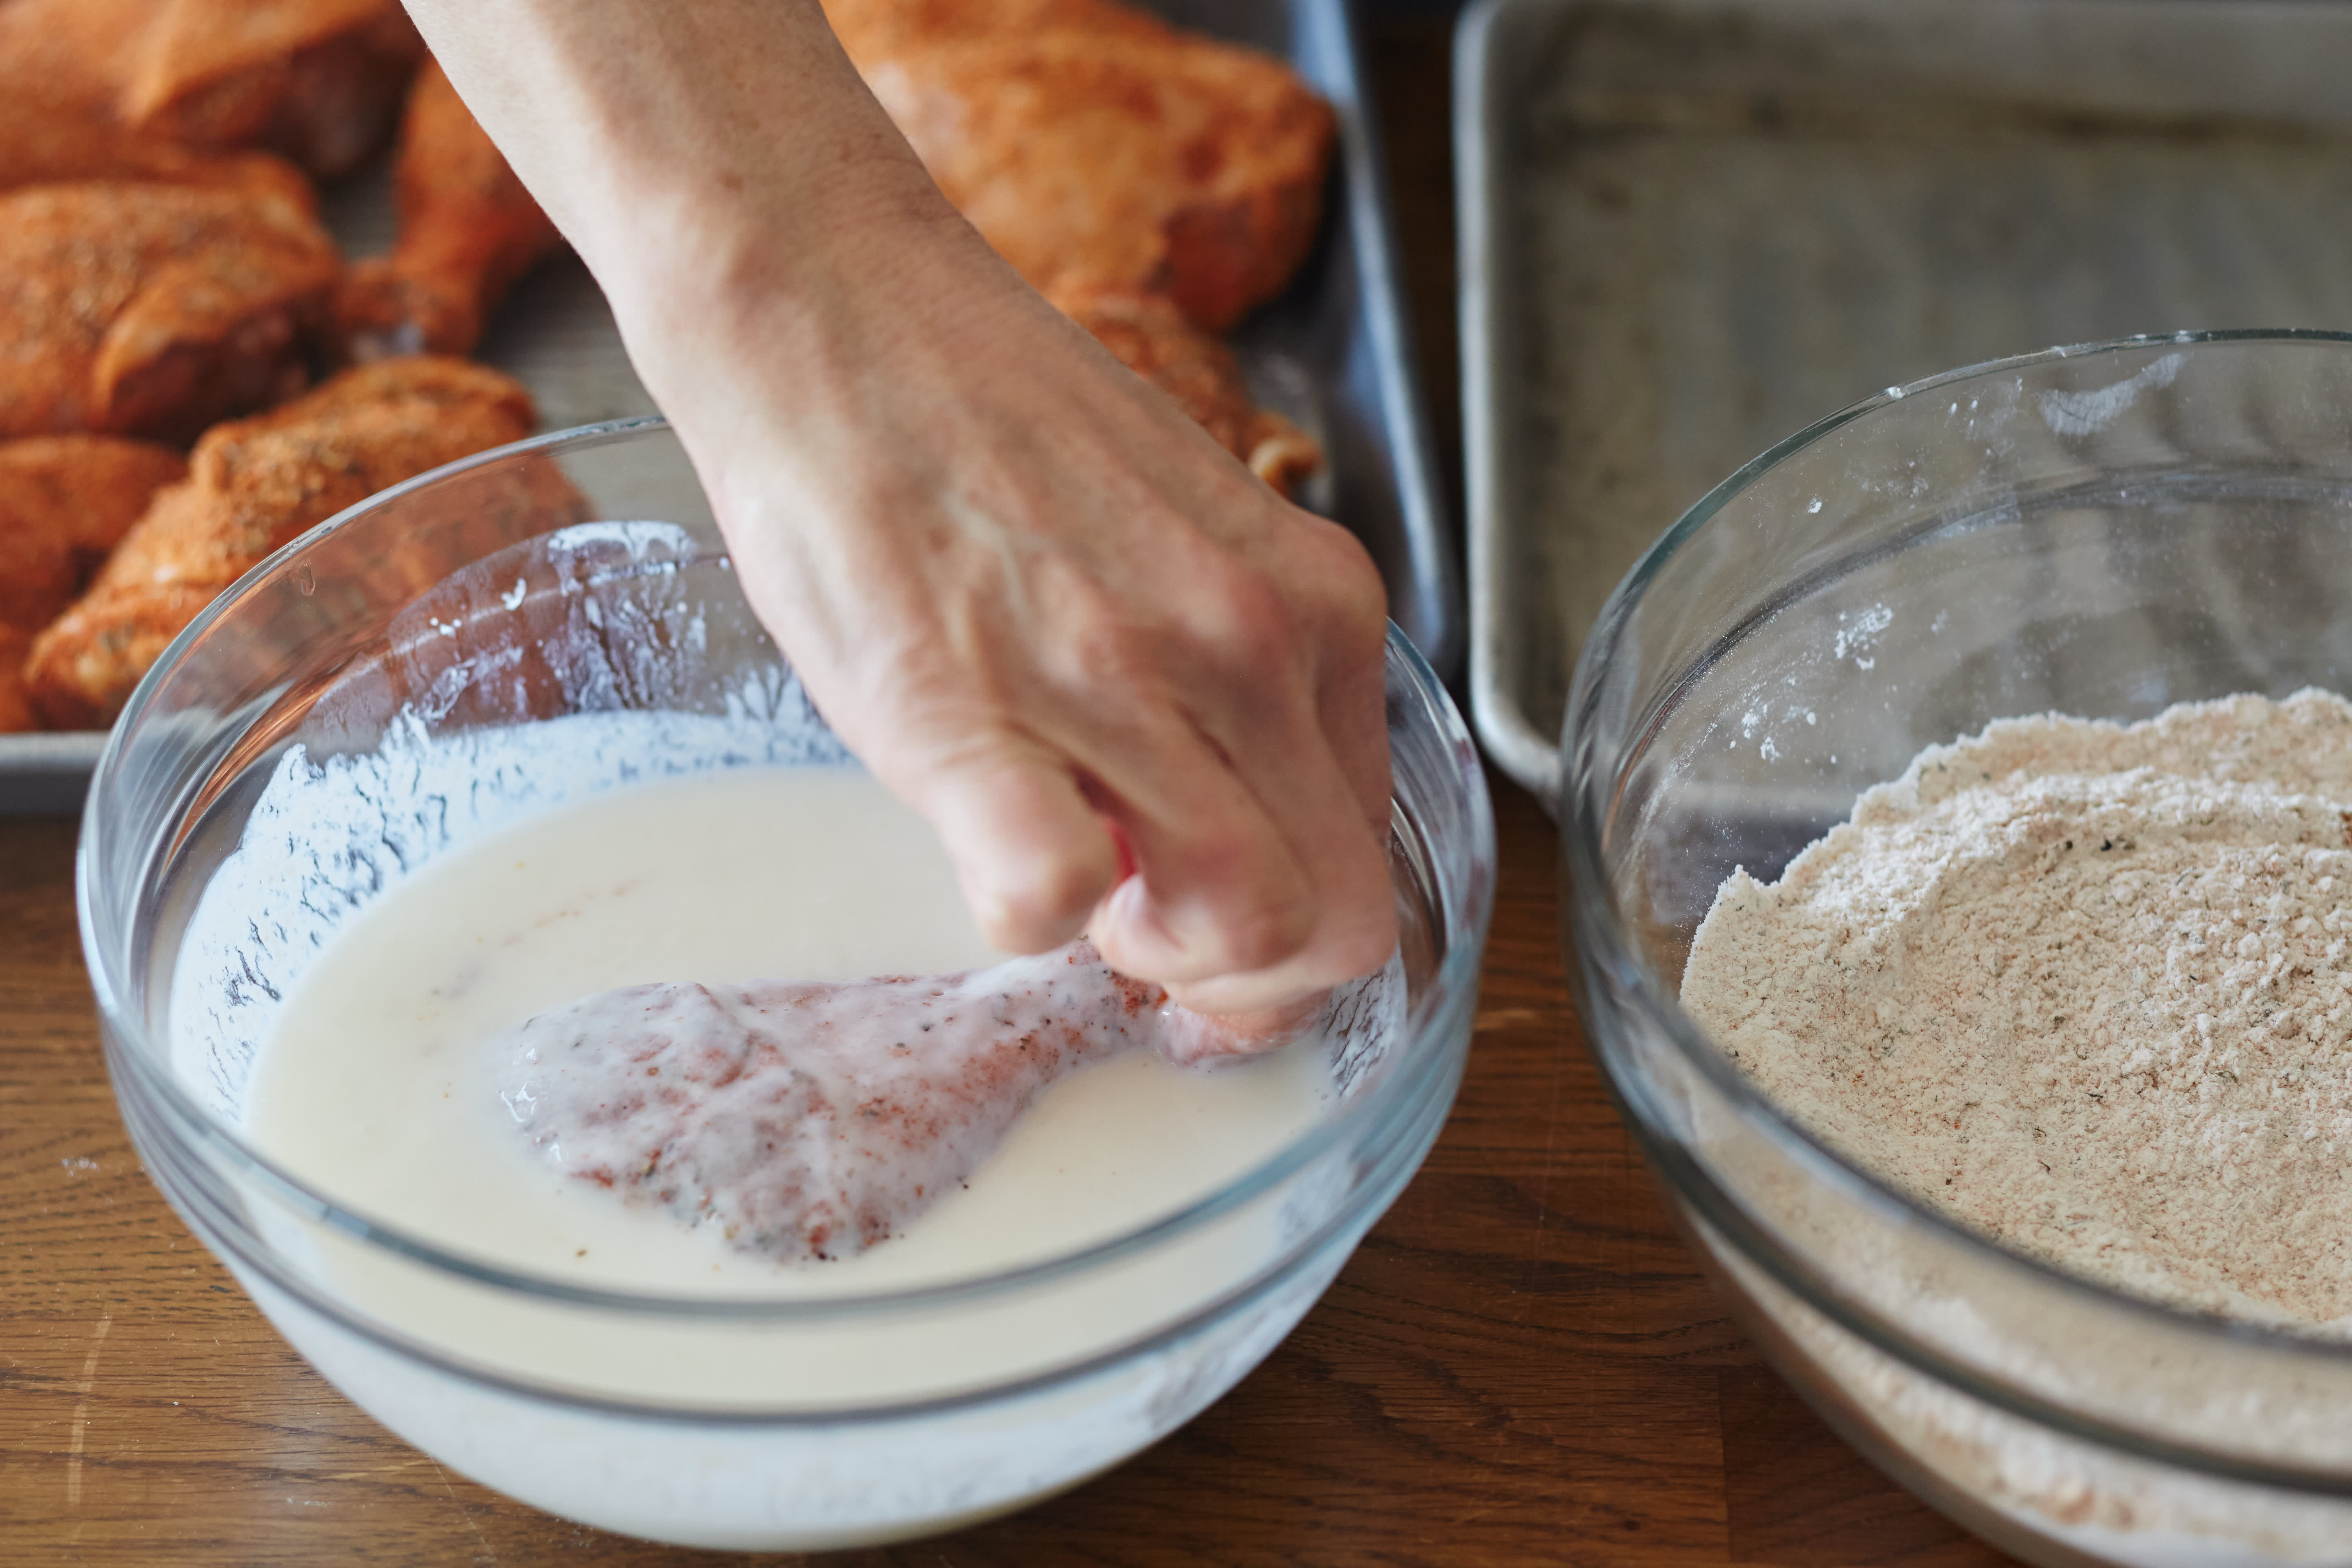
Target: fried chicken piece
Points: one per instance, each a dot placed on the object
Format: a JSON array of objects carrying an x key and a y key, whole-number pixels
[
  {"x": 319, "y": 81},
  {"x": 65, "y": 502},
  {"x": 252, "y": 487},
  {"x": 1151, "y": 338},
  {"x": 154, "y": 310},
  {"x": 1131, "y": 156},
  {"x": 468, "y": 230}
]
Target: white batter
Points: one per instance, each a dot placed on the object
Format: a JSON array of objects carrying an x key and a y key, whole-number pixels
[{"x": 373, "y": 1086}]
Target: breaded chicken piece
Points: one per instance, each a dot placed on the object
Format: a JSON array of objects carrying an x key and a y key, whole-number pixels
[
  {"x": 319, "y": 81},
  {"x": 468, "y": 230},
  {"x": 252, "y": 487},
  {"x": 1129, "y": 157},
  {"x": 65, "y": 502},
  {"x": 154, "y": 310},
  {"x": 1151, "y": 338}
]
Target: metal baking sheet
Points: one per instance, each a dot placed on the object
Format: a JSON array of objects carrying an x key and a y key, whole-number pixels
[
  {"x": 1691, "y": 227},
  {"x": 1331, "y": 353}
]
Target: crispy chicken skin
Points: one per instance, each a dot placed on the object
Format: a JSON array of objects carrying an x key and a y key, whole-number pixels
[
  {"x": 64, "y": 501},
  {"x": 1151, "y": 338},
  {"x": 252, "y": 487},
  {"x": 468, "y": 230},
  {"x": 153, "y": 310},
  {"x": 1099, "y": 147}
]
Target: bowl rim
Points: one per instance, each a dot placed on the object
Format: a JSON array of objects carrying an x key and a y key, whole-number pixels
[
  {"x": 138, "y": 1066},
  {"x": 1606, "y": 955}
]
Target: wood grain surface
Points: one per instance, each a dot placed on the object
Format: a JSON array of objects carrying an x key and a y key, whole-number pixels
[{"x": 1520, "y": 1364}]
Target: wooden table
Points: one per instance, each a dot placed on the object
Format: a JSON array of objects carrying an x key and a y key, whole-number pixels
[{"x": 1521, "y": 1365}]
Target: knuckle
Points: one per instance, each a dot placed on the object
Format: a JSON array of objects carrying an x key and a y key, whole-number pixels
[{"x": 1040, "y": 905}]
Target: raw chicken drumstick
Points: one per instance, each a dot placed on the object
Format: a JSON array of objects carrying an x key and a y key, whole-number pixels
[
  {"x": 154, "y": 310},
  {"x": 253, "y": 485},
  {"x": 1093, "y": 145},
  {"x": 1151, "y": 338},
  {"x": 468, "y": 230},
  {"x": 64, "y": 500},
  {"x": 810, "y": 1120}
]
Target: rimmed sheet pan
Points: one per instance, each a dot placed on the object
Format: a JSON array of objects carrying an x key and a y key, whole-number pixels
[
  {"x": 1332, "y": 353},
  {"x": 1691, "y": 227}
]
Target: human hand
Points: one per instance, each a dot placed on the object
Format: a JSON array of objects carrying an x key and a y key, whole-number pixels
[{"x": 1138, "y": 694}]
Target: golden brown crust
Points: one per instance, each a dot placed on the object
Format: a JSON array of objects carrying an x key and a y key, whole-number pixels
[
  {"x": 1136, "y": 158},
  {"x": 468, "y": 230},
  {"x": 153, "y": 310},
  {"x": 252, "y": 487},
  {"x": 1150, "y": 336},
  {"x": 64, "y": 501}
]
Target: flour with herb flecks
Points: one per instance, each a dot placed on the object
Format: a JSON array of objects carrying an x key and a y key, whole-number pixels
[{"x": 2085, "y": 988}]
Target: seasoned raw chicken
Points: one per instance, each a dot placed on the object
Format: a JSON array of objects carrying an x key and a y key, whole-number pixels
[
  {"x": 1099, "y": 147},
  {"x": 875, "y": 30},
  {"x": 49, "y": 142},
  {"x": 74, "y": 54},
  {"x": 1152, "y": 337},
  {"x": 154, "y": 310},
  {"x": 65, "y": 502},
  {"x": 468, "y": 230},
  {"x": 319, "y": 81},
  {"x": 812, "y": 1121},
  {"x": 15, "y": 703},
  {"x": 253, "y": 485}
]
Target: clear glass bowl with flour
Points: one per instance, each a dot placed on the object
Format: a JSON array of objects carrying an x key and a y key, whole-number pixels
[
  {"x": 508, "y": 735},
  {"x": 2104, "y": 533}
]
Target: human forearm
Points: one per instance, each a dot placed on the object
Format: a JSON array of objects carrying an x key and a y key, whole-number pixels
[
  {"x": 1136, "y": 692},
  {"x": 669, "y": 142}
]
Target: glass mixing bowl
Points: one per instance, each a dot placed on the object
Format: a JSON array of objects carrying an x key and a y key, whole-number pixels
[
  {"x": 406, "y": 646},
  {"x": 2103, "y": 531}
]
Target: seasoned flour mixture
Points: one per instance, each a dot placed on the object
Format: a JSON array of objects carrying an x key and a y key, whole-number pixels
[{"x": 2084, "y": 987}]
